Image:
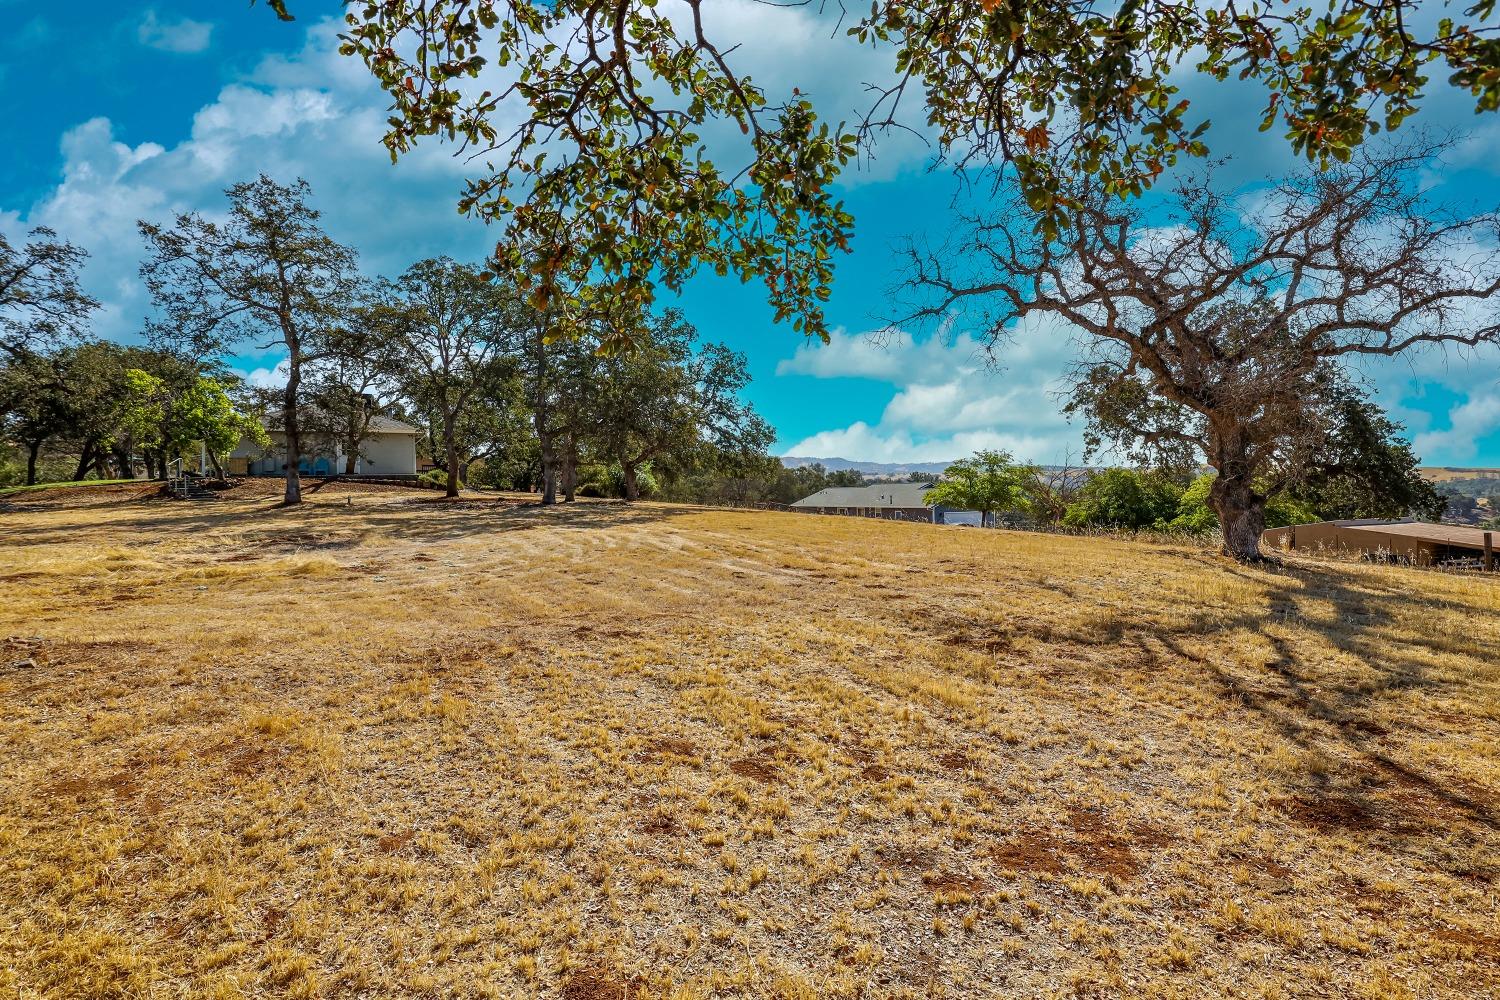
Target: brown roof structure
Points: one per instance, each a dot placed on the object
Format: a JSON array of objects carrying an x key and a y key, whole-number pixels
[{"x": 1407, "y": 540}]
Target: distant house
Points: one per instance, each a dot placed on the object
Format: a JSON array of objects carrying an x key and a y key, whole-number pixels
[
  {"x": 390, "y": 450},
  {"x": 1406, "y": 540},
  {"x": 892, "y": 501}
]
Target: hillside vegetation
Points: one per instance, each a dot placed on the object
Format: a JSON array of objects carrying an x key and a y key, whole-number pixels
[{"x": 384, "y": 745}]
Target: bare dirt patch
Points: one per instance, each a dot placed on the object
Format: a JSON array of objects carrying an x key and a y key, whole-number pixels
[
  {"x": 601, "y": 983},
  {"x": 1485, "y": 947},
  {"x": 955, "y": 760},
  {"x": 393, "y": 842},
  {"x": 1034, "y": 851},
  {"x": 672, "y": 749},
  {"x": 755, "y": 768},
  {"x": 1333, "y": 812}
]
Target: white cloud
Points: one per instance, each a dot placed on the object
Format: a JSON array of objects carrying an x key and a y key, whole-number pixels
[
  {"x": 951, "y": 398},
  {"x": 266, "y": 378},
  {"x": 184, "y": 36},
  {"x": 1468, "y": 422},
  {"x": 305, "y": 116},
  {"x": 1449, "y": 400}
]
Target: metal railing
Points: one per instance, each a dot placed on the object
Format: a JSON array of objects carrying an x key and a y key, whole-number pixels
[{"x": 176, "y": 478}]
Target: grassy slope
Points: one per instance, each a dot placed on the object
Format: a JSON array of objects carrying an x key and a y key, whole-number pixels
[
  {"x": 422, "y": 749},
  {"x": 8, "y": 491}
]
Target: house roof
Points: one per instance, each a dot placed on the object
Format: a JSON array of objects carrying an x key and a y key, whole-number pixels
[
  {"x": 1443, "y": 534},
  {"x": 893, "y": 495},
  {"x": 389, "y": 425},
  {"x": 378, "y": 425}
]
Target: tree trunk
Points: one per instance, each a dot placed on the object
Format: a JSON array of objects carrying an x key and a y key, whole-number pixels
[
  {"x": 450, "y": 450},
  {"x": 570, "y": 470},
  {"x": 291, "y": 429},
  {"x": 1241, "y": 510},
  {"x": 85, "y": 459},
  {"x": 31, "y": 452},
  {"x": 632, "y": 488},
  {"x": 124, "y": 467},
  {"x": 549, "y": 468},
  {"x": 351, "y": 455}
]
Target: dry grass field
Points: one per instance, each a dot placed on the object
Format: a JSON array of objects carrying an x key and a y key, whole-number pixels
[{"x": 386, "y": 746}]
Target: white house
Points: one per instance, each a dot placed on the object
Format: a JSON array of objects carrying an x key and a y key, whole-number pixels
[{"x": 390, "y": 449}]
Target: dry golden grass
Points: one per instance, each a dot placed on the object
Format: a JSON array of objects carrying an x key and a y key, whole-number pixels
[{"x": 406, "y": 748}]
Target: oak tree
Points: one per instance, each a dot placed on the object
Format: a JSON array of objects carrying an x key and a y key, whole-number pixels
[
  {"x": 40, "y": 297},
  {"x": 451, "y": 332},
  {"x": 267, "y": 276},
  {"x": 1216, "y": 333},
  {"x": 989, "y": 481}
]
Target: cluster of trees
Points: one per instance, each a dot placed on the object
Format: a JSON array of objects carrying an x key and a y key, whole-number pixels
[
  {"x": 104, "y": 405},
  {"x": 1215, "y": 338},
  {"x": 1472, "y": 501},
  {"x": 1218, "y": 337},
  {"x": 1364, "y": 469},
  {"x": 504, "y": 392},
  {"x": 761, "y": 481}
]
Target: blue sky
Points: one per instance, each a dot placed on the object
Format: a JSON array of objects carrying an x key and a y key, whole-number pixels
[{"x": 156, "y": 108}]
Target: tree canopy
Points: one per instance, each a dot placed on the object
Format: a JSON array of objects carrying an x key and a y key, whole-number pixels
[
  {"x": 990, "y": 481},
  {"x": 594, "y": 116},
  {"x": 40, "y": 297}
]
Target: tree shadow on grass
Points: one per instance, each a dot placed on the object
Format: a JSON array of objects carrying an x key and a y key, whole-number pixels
[
  {"x": 1330, "y": 712},
  {"x": 1302, "y": 692},
  {"x": 415, "y": 518}
]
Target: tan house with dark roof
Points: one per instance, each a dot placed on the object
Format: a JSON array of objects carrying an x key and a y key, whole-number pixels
[{"x": 892, "y": 501}]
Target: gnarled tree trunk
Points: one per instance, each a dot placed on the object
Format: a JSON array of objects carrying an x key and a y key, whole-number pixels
[
  {"x": 1233, "y": 497},
  {"x": 450, "y": 452},
  {"x": 632, "y": 487}
]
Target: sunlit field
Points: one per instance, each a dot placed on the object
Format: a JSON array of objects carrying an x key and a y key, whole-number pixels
[{"x": 386, "y": 746}]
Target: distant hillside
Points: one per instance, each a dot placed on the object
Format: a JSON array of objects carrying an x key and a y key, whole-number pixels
[
  {"x": 888, "y": 470},
  {"x": 1434, "y": 474},
  {"x": 1446, "y": 474},
  {"x": 868, "y": 468}
]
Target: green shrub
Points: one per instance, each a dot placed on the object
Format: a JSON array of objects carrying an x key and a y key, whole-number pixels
[
  {"x": 1124, "y": 498},
  {"x": 609, "y": 481},
  {"x": 435, "y": 479},
  {"x": 1195, "y": 515}
]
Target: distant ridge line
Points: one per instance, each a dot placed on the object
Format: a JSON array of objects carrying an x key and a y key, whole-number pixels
[{"x": 876, "y": 468}]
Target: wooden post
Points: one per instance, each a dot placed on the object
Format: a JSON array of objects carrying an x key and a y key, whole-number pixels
[{"x": 1489, "y": 552}]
